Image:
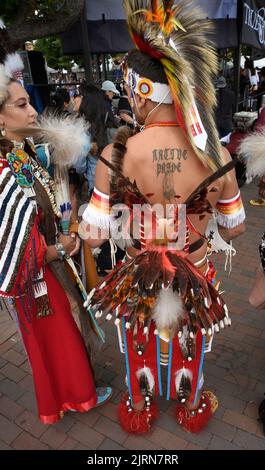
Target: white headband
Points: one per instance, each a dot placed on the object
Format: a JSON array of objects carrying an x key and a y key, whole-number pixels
[
  {"x": 160, "y": 93},
  {"x": 144, "y": 87}
]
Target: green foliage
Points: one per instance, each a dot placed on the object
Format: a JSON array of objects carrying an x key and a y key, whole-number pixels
[
  {"x": 8, "y": 9},
  {"x": 37, "y": 9},
  {"x": 42, "y": 10},
  {"x": 52, "y": 49},
  {"x": 246, "y": 51},
  {"x": 46, "y": 9}
]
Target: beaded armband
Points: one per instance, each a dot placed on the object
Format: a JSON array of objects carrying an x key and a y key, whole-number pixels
[
  {"x": 230, "y": 212},
  {"x": 98, "y": 211}
]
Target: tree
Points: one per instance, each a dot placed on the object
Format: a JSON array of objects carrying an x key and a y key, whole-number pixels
[
  {"x": 33, "y": 19},
  {"x": 52, "y": 50}
]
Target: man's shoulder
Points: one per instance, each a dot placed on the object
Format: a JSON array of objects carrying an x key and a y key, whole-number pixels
[
  {"x": 135, "y": 143},
  {"x": 106, "y": 153}
]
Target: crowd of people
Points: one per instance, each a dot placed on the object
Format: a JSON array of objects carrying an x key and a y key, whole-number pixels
[
  {"x": 93, "y": 177},
  {"x": 232, "y": 134}
]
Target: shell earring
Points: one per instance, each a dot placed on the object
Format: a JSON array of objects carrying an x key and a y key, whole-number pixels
[{"x": 3, "y": 132}]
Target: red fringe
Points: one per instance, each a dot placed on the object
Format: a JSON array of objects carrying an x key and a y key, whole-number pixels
[
  {"x": 137, "y": 422},
  {"x": 194, "y": 423}
]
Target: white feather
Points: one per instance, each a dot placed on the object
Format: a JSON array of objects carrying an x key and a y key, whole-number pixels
[
  {"x": 179, "y": 374},
  {"x": 61, "y": 178},
  {"x": 2, "y": 24},
  {"x": 150, "y": 378},
  {"x": 67, "y": 137},
  {"x": 252, "y": 150},
  {"x": 168, "y": 310},
  {"x": 4, "y": 80},
  {"x": 13, "y": 63}
]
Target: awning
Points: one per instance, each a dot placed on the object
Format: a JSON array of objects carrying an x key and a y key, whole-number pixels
[
  {"x": 108, "y": 31},
  {"x": 253, "y": 24}
]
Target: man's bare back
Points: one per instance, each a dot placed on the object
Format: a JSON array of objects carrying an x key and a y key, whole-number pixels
[{"x": 162, "y": 163}]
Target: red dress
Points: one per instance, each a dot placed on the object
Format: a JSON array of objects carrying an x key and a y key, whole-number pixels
[{"x": 62, "y": 374}]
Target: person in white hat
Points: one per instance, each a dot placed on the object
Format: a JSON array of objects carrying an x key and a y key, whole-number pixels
[{"x": 109, "y": 90}]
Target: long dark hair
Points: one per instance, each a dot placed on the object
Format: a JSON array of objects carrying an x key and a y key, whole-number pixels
[
  {"x": 95, "y": 110},
  {"x": 5, "y": 145},
  {"x": 57, "y": 100},
  {"x": 146, "y": 66},
  {"x": 249, "y": 64}
]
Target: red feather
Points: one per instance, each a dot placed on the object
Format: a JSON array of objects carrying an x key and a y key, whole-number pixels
[
  {"x": 154, "y": 6},
  {"x": 145, "y": 47}
]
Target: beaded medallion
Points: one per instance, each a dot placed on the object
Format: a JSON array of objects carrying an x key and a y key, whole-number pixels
[{"x": 19, "y": 164}]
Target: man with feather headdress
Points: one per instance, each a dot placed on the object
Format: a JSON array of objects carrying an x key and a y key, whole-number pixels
[{"x": 162, "y": 296}]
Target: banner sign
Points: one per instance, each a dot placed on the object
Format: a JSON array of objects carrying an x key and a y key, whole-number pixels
[{"x": 253, "y": 23}]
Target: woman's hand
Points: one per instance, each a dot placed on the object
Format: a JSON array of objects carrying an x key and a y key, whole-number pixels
[
  {"x": 75, "y": 237},
  {"x": 71, "y": 243}
]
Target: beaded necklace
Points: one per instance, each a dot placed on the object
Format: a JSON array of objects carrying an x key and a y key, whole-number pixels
[
  {"x": 48, "y": 184},
  {"x": 44, "y": 179}
]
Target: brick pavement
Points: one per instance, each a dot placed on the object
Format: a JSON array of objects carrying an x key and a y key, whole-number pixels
[{"x": 234, "y": 370}]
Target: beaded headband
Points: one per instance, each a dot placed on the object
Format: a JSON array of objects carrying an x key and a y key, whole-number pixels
[{"x": 146, "y": 88}]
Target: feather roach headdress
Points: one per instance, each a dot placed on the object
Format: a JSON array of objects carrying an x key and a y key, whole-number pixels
[
  {"x": 11, "y": 64},
  {"x": 178, "y": 36}
]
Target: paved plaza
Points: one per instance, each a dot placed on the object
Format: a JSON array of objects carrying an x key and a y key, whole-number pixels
[{"x": 235, "y": 371}]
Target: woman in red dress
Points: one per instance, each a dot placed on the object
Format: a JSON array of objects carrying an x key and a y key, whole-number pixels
[{"x": 33, "y": 279}]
